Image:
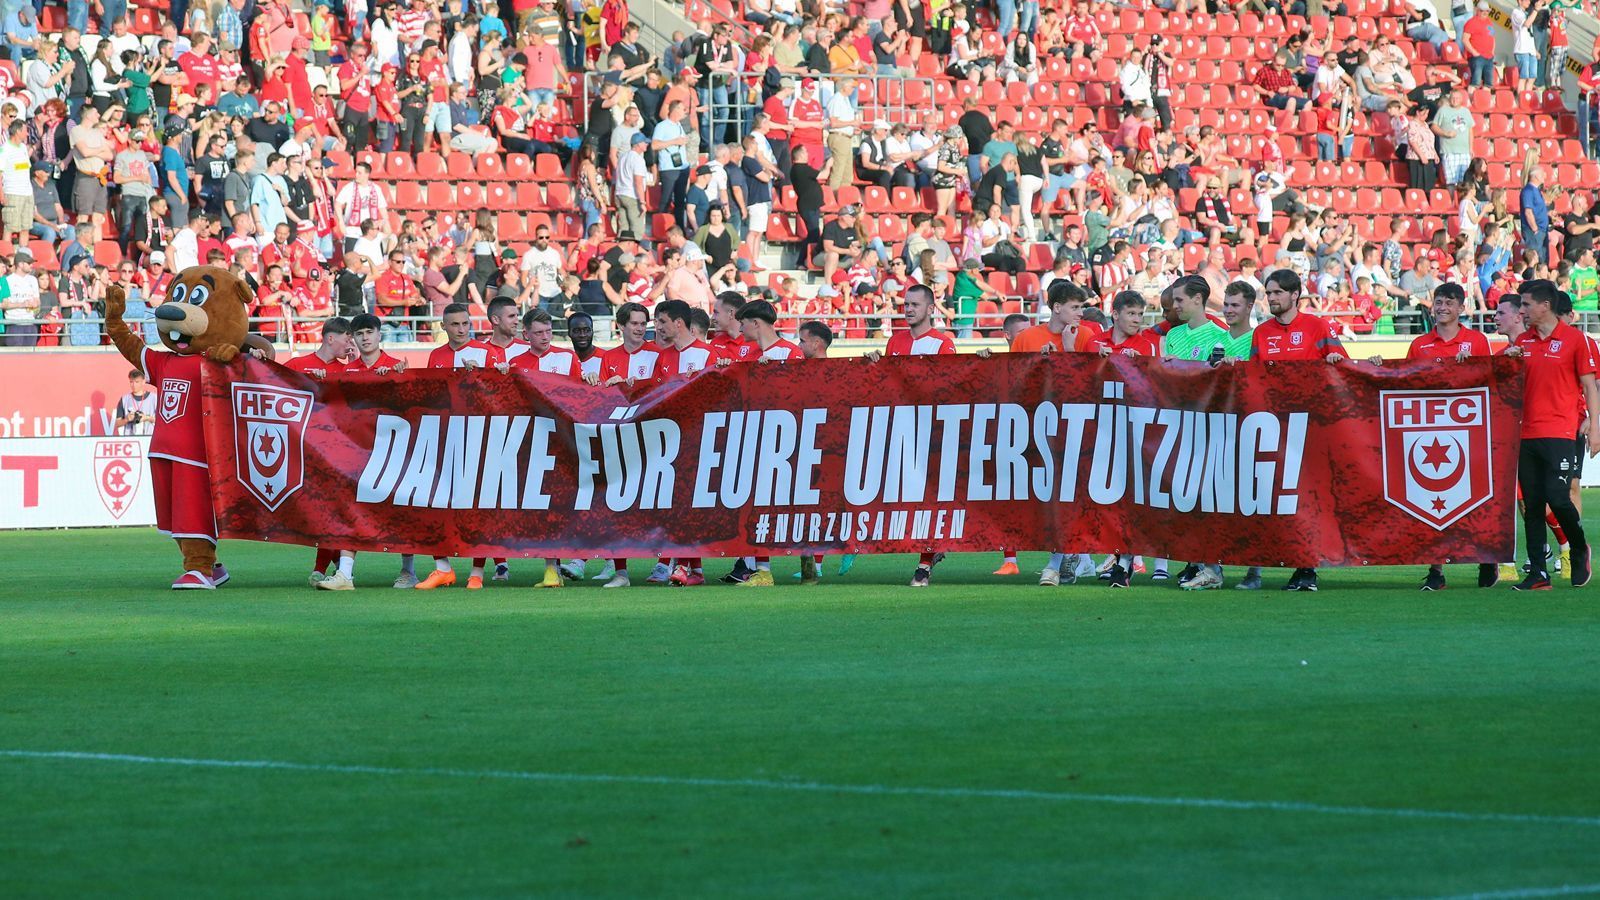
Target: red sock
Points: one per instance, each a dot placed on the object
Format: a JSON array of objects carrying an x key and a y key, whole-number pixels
[
  {"x": 816, "y": 558},
  {"x": 325, "y": 558},
  {"x": 763, "y": 559},
  {"x": 926, "y": 560},
  {"x": 1555, "y": 526},
  {"x": 620, "y": 564}
]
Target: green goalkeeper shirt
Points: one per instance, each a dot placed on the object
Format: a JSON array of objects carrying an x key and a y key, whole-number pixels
[
  {"x": 1237, "y": 347},
  {"x": 1187, "y": 342}
]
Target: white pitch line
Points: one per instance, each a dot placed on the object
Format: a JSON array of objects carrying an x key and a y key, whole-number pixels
[
  {"x": 1564, "y": 890},
  {"x": 814, "y": 787}
]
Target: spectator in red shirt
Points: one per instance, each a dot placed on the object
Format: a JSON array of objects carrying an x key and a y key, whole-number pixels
[
  {"x": 356, "y": 89},
  {"x": 398, "y": 296},
  {"x": 386, "y": 103},
  {"x": 200, "y": 67},
  {"x": 1277, "y": 87},
  {"x": 1478, "y": 38}
]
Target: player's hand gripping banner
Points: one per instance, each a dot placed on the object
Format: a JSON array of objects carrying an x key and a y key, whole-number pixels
[{"x": 1294, "y": 464}]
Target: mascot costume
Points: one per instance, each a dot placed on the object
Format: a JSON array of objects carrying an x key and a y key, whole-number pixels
[{"x": 205, "y": 316}]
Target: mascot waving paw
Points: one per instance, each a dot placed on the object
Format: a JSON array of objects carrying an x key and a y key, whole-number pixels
[{"x": 204, "y": 316}]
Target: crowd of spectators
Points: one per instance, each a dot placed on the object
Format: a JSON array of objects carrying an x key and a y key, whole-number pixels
[{"x": 240, "y": 139}]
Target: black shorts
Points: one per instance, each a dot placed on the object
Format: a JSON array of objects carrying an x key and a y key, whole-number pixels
[{"x": 1580, "y": 450}]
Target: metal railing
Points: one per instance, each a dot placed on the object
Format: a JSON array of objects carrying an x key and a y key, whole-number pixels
[
  {"x": 1589, "y": 122},
  {"x": 727, "y": 110}
]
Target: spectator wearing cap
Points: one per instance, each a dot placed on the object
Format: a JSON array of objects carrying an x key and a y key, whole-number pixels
[
  {"x": 48, "y": 224},
  {"x": 841, "y": 242},
  {"x": 631, "y": 186},
  {"x": 387, "y": 114},
  {"x": 843, "y": 120},
  {"x": 21, "y": 31},
  {"x": 21, "y": 302},
  {"x": 134, "y": 175},
  {"x": 1478, "y": 45}
]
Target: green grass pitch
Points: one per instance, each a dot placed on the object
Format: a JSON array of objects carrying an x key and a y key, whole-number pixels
[{"x": 977, "y": 739}]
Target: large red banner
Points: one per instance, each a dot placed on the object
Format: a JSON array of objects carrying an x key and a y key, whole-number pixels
[{"x": 1292, "y": 464}]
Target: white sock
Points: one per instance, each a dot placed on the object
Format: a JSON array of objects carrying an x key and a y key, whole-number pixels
[
  {"x": 347, "y": 564},
  {"x": 1161, "y": 564},
  {"x": 764, "y": 567},
  {"x": 1011, "y": 558},
  {"x": 408, "y": 564},
  {"x": 477, "y": 571},
  {"x": 1057, "y": 560},
  {"x": 441, "y": 563},
  {"x": 749, "y": 562}
]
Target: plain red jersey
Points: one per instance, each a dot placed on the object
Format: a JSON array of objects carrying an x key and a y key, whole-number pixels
[
  {"x": 1553, "y": 394},
  {"x": 636, "y": 366},
  {"x": 554, "y": 361},
  {"x": 443, "y": 357},
  {"x": 732, "y": 347},
  {"x": 933, "y": 342},
  {"x": 304, "y": 365},
  {"x": 1305, "y": 337},
  {"x": 697, "y": 357},
  {"x": 357, "y": 366},
  {"x": 1145, "y": 343},
  {"x": 1432, "y": 346},
  {"x": 179, "y": 433}
]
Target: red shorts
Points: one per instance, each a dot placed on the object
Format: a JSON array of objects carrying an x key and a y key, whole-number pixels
[{"x": 183, "y": 500}]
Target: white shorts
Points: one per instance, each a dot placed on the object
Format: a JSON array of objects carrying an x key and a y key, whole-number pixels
[{"x": 756, "y": 219}]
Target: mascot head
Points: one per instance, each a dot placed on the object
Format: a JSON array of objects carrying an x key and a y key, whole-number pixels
[{"x": 206, "y": 313}]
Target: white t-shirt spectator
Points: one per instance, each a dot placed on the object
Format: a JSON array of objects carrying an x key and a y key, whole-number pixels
[
  {"x": 24, "y": 289},
  {"x": 363, "y": 202},
  {"x": 371, "y": 249},
  {"x": 16, "y": 170},
  {"x": 543, "y": 267},
  {"x": 1135, "y": 82},
  {"x": 631, "y": 166},
  {"x": 184, "y": 250}
]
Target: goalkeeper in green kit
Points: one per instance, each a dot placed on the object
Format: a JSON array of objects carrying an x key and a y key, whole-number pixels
[{"x": 1196, "y": 339}]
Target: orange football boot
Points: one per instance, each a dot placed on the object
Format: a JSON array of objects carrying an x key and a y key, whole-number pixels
[{"x": 437, "y": 579}]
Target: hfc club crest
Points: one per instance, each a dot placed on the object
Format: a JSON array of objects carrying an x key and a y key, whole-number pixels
[
  {"x": 269, "y": 426},
  {"x": 117, "y": 465},
  {"x": 174, "y": 398},
  {"x": 1436, "y": 452}
]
